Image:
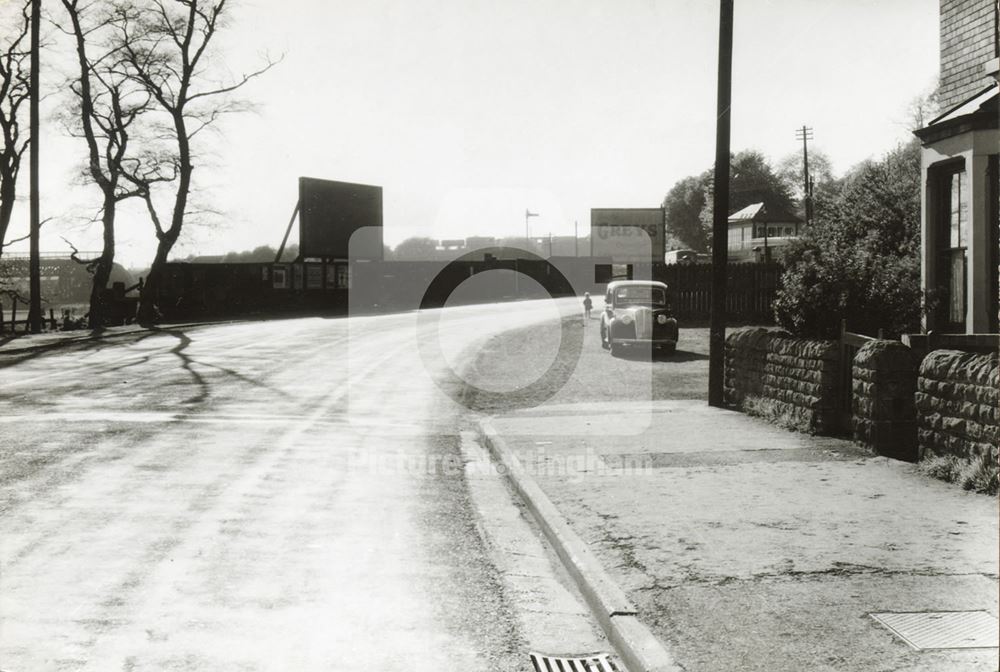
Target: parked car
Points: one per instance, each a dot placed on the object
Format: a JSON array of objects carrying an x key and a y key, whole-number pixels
[{"x": 638, "y": 312}]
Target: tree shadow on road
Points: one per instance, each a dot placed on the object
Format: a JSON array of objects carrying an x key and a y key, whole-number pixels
[{"x": 83, "y": 348}]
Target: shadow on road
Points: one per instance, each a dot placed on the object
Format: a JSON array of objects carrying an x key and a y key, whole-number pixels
[
  {"x": 643, "y": 355},
  {"x": 84, "y": 348}
]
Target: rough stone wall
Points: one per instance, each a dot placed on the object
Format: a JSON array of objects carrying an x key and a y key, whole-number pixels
[
  {"x": 956, "y": 402},
  {"x": 967, "y": 44},
  {"x": 800, "y": 378},
  {"x": 790, "y": 379},
  {"x": 746, "y": 351},
  {"x": 883, "y": 414}
]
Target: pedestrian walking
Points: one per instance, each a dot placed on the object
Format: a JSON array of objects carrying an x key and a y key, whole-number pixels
[{"x": 587, "y": 305}]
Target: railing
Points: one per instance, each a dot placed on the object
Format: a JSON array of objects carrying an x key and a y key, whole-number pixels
[{"x": 10, "y": 326}]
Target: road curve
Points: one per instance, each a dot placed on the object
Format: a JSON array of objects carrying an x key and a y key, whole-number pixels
[{"x": 279, "y": 495}]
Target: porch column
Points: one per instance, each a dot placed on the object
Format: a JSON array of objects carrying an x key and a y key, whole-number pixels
[
  {"x": 977, "y": 277},
  {"x": 928, "y": 275}
]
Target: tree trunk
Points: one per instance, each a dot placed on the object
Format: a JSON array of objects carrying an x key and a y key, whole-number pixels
[
  {"x": 7, "y": 189},
  {"x": 102, "y": 273},
  {"x": 147, "y": 297}
]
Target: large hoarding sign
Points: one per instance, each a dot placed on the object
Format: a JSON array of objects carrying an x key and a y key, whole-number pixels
[
  {"x": 628, "y": 235},
  {"x": 331, "y": 212}
]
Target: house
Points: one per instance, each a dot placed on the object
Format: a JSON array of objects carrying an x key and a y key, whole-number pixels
[
  {"x": 960, "y": 228},
  {"x": 756, "y": 232}
]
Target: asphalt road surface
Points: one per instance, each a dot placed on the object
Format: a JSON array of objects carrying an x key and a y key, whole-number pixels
[{"x": 282, "y": 495}]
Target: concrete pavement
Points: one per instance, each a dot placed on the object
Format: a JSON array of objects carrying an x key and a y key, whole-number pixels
[{"x": 747, "y": 547}]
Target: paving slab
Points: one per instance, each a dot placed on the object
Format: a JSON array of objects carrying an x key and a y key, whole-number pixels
[{"x": 748, "y": 547}]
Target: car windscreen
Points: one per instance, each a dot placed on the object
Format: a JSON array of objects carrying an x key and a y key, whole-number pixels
[{"x": 639, "y": 295}]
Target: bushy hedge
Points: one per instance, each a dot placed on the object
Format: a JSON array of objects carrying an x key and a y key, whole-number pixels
[{"x": 860, "y": 259}]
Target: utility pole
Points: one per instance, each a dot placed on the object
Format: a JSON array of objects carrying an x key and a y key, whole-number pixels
[
  {"x": 720, "y": 209},
  {"x": 576, "y": 238},
  {"x": 34, "y": 263},
  {"x": 805, "y": 134}
]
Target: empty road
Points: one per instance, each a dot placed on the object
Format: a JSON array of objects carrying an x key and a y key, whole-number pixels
[{"x": 281, "y": 495}]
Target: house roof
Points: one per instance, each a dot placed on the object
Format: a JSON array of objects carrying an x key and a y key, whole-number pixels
[
  {"x": 977, "y": 112},
  {"x": 970, "y": 106},
  {"x": 756, "y": 212}
]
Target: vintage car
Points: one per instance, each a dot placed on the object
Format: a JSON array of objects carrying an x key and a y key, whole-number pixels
[{"x": 637, "y": 312}]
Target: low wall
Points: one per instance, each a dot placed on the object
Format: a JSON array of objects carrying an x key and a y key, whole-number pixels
[
  {"x": 790, "y": 379},
  {"x": 883, "y": 413},
  {"x": 746, "y": 352},
  {"x": 956, "y": 403}
]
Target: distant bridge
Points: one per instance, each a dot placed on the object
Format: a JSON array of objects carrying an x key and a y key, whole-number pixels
[{"x": 64, "y": 281}]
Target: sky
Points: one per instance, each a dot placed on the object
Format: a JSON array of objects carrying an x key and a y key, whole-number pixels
[{"x": 469, "y": 112}]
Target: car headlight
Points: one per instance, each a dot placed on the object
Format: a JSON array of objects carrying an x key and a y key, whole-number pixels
[
  {"x": 626, "y": 319},
  {"x": 662, "y": 319}
]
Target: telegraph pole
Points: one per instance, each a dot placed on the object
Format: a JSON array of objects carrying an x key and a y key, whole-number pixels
[
  {"x": 720, "y": 209},
  {"x": 34, "y": 264},
  {"x": 805, "y": 134}
]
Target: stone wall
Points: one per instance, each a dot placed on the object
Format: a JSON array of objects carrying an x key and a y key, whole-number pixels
[
  {"x": 883, "y": 384},
  {"x": 956, "y": 403},
  {"x": 790, "y": 379},
  {"x": 746, "y": 351},
  {"x": 800, "y": 377}
]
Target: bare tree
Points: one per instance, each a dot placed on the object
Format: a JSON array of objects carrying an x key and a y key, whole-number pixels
[
  {"x": 15, "y": 78},
  {"x": 107, "y": 107},
  {"x": 165, "y": 46}
]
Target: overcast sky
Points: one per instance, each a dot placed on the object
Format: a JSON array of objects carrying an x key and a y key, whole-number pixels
[{"x": 467, "y": 112}]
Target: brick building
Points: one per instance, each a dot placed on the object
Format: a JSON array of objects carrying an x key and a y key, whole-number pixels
[{"x": 960, "y": 199}]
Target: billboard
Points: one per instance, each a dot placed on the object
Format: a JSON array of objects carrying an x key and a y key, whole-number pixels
[
  {"x": 628, "y": 235},
  {"x": 331, "y": 212}
]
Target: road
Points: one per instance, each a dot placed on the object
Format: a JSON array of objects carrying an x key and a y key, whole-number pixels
[{"x": 281, "y": 495}]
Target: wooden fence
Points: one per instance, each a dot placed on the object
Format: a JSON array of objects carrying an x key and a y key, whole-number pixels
[{"x": 750, "y": 290}]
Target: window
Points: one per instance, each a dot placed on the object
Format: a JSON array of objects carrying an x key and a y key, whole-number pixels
[
  {"x": 343, "y": 276},
  {"x": 280, "y": 277},
  {"x": 640, "y": 295},
  {"x": 735, "y": 238},
  {"x": 951, "y": 224},
  {"x": 958, "y": 216}
]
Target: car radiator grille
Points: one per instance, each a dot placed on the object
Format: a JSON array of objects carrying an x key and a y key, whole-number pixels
[{"x": 644, "y": 323}]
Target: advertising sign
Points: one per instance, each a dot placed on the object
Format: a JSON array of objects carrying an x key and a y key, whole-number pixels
[
  {"x": 627, "y": 235},
  {"x": 331, "y": 212}
]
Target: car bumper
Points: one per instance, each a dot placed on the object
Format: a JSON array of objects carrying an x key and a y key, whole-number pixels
[{"x": 646, "y": 341}]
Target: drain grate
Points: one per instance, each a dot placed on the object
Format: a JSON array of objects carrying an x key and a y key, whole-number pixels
[
  {"x": 594, "y": 662},
  {"x": 943, "y": 629}
]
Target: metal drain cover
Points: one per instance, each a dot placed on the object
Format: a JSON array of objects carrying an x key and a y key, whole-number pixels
[
  {"x": 943, "y": 629},
  {"x": 594, "y": 662}
]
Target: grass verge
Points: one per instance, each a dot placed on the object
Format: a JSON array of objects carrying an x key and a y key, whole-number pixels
[{"x": 979, "y": 474}]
